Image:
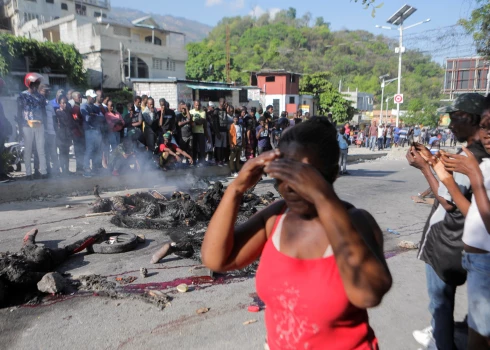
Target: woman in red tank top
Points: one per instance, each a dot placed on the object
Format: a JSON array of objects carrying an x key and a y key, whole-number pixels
[{"x": 321, "y": 262}]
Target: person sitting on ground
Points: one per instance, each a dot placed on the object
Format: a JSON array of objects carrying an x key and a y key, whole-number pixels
[
  {"x": 171, "y": 153},
  {"x": 20, "y": 272},
  {"x": 123, "y": 156},
  {"x": 321, "y": 259}
]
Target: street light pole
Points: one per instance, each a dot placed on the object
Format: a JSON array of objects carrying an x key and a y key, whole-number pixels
[
  {"x": 397, "y": 19},
  {"x": 400, "y": 51}
]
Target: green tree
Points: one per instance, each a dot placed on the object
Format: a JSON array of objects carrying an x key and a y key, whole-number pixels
[
  {"x": 422, "y": 112},
  {"x": 327, "y": 97},
  {"x": 479, "y": 26},
  {"x": 58, "y": 57},
  {"x": 291, "y": 13}
]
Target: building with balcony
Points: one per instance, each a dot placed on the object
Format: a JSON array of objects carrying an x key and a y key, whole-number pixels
[{"x": 114, "y": 52}]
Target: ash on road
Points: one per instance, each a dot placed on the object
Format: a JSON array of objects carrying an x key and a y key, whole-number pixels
[{"x": 88, "y": 321}]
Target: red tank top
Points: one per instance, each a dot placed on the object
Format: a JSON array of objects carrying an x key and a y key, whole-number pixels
[{"x": 306, "y": 304}]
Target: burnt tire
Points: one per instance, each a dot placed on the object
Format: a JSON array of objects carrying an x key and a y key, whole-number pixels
[{"x": 125, "y": 242}]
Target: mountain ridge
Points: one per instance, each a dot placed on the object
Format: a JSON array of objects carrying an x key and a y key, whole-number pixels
[{"x": 194, "y": 30}]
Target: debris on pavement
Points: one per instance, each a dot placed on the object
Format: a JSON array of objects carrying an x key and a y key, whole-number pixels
[
  {"x": 408, "y": 245},
  {"x": 68, "y": 206},
  {"x": 143, "y": 272},
  {"x": 182, "y": 288},
  {"x": 392, "y": 231},
  {"x": 126, "y": 280},
  {"x": 253, "y": 308},
  {"x": 246, "y": 323},
  {"x": 202, "y": 310},
  {"x": 52, "y": 283},
  {"x": 141, "y": 238}
]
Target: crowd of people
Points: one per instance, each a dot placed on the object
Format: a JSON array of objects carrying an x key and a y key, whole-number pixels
[
  {"x": 455, "y": 244},
  {"x": 385, "y": 136},
  {"x": 113, "y": 138}
]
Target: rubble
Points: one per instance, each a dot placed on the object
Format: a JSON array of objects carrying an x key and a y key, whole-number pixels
[
  {"x": 182, "y": 288},
  {"x": 143, "y": 272},
  {"x": 408, "y": 245},
  {"x": 246, "y": 323},
  {"x": 52, "y": 283},
  {"x": 202, "y": 310},
  {"x": 186, "y": 214}
]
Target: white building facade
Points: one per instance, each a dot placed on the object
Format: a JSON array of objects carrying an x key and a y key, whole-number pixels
[{"x": 114, "y": 52}]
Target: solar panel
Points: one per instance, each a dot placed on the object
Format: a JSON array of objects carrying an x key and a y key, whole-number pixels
[{"x": 401, "y": 15}]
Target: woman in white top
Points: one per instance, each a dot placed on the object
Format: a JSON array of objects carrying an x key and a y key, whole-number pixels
[{"x": 476, "y": 235}]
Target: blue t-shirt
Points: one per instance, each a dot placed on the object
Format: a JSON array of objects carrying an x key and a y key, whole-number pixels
[
  {"x": 92, "y": 122},
  {"x": 416, "y": 132},
  {"x": 343, "y": 144},
  {"x": 432, "y": 139}
]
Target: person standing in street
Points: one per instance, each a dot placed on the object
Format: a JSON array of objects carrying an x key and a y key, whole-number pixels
[
  {"x": 344, "y": 150},
  {"x": 381, "y": 137},
  {"x": 50, "y": 132},
  {"x": 115, "y": 124},
  {"x": 31, "y": 106},
  {"x": 220, "y": 118},
  {"x": 199, "y": 133},
  {"x": 373, "y": 135},
  {"x": 78, "y": 133},
  {"x": 184, "y": 128},
  {"x": 92, "y": 121},
  {"x": 236, "y": 143},
  {"x": 476, "y": 234},
  {"x": 441, "y": 245},
  {"x": 263, "y": 137},
  {"x": 66, "y": 126},
  {"x": 417, "y": 134}
]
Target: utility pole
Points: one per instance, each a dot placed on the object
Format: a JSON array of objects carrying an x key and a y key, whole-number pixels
[{"x": 397, "y": 19}]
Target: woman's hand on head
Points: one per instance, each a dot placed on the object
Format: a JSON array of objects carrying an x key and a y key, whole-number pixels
[
  {"x": 301, "y": 177},
  {"x": 253, "y": 170}
]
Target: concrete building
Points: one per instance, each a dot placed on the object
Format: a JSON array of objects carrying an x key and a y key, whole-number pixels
[
  {"x": 16, "y": 13},
  {"x": 280, "y": 89},
  {"x": 114, "y": 52},
  {"x": 176, "y": 90},
  {"x": 362, "y": 101}
]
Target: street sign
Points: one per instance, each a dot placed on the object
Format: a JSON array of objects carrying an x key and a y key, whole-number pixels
[{"x": 398, "y": 98}]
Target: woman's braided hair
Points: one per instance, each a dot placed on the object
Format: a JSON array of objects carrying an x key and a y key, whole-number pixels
[{"x": 318, "y": 136}]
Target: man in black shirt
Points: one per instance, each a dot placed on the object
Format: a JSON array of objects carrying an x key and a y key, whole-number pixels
[
  {"x": 184, "y": 128},
  {"x": 167, "y": 120},
  {"x": 220, "y": 119}
]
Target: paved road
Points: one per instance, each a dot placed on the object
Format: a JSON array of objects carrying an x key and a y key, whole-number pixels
[{"x": 90, "y": 322}]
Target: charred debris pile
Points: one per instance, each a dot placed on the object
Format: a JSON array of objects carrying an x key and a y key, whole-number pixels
[{"x": 186, "y": 214}]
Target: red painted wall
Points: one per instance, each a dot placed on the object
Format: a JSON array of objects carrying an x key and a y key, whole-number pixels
[{"x": 281, "y": 86}]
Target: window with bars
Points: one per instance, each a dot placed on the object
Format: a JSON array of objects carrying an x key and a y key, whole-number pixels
[
  {"x": 162, "y": 64},
  {"x": 64, "y": 6}
]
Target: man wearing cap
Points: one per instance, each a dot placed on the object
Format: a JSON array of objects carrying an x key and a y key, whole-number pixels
[
  {"x": 93, "y": 119},
  {"x": 171, "y": 153},
  {"x": 32, "y": 117},
  {"x": 416, "y": 133},
  {"x": 441, "y": 245}
]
